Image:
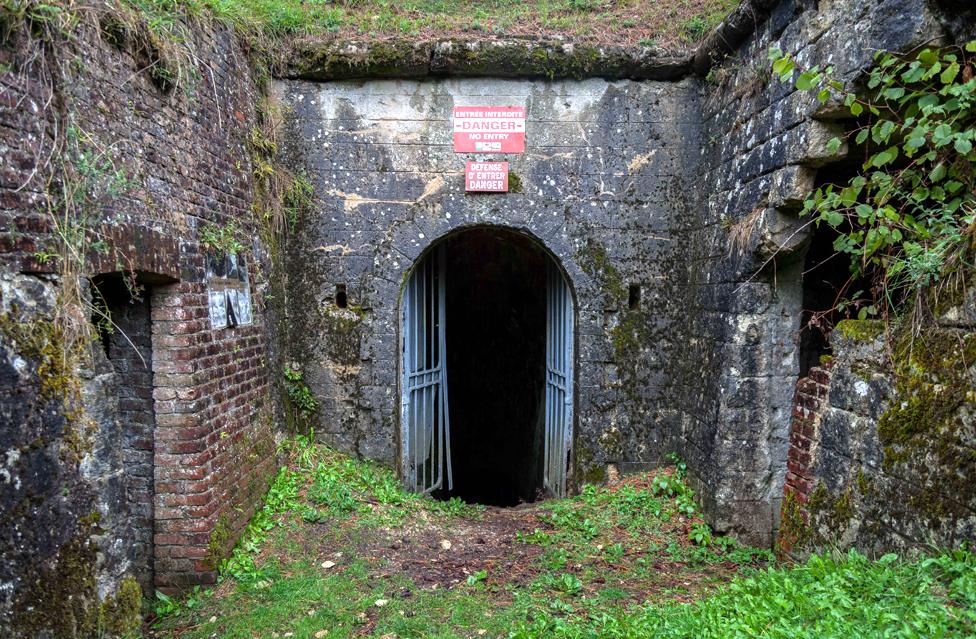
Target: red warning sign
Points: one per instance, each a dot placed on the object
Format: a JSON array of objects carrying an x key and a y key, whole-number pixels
[
  {"x": 489, "y": 129},
  {"x": 490, "y": 177}
]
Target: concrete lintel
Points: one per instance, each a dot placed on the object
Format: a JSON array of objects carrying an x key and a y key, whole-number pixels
[{"x": 550, "y": 59}]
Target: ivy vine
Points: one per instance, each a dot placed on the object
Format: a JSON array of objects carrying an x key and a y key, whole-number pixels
[{"x": 907, "y": 219}]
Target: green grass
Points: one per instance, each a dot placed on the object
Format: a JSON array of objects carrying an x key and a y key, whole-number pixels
[
  {"x": 846, "y": 597},
  {"x": 631, "y": 560},
  {"x": 679, "y": 22}
]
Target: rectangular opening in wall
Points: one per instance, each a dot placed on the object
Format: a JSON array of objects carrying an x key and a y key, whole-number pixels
[
  {"x": 121, "y": 315},
  {"x": 634, "y": 297},
  {"x": 340, "y": 296}
]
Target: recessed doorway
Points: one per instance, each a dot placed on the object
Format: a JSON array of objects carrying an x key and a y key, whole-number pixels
[{"x": 487, "y": 384}]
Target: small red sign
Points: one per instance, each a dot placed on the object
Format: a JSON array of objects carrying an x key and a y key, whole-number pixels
[
  {"x": 486, "y": 177},
  {"x": 489, "y": 129}
]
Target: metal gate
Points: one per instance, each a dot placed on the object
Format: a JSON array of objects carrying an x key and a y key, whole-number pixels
[
  {"x": 424, "y": 415},
  {"x": 559, "y": 382}
]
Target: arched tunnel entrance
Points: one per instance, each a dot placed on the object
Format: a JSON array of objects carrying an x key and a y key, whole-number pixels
[{"x": 487, "y": 370}]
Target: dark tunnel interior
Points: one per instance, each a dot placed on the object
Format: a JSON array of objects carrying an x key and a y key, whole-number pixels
[{"x": 496, "y": 330}]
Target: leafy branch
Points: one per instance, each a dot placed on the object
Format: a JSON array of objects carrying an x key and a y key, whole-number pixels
[{"x": 907, "y": 218}]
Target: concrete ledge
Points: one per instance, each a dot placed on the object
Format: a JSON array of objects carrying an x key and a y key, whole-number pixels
[{"x": 513, "y": 58}]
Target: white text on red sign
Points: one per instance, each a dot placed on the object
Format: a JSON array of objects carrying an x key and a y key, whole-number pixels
[
  {"x": 490, "y": 177},
  {"x": 489, "y": 129}
]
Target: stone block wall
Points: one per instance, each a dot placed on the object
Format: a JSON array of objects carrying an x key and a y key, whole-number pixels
[
  {"x": 603, "y": 185},
  {"x": 882, "y": 445},
  {"x": 164, "y": 161},
  {"x": 763, "y": 144}
]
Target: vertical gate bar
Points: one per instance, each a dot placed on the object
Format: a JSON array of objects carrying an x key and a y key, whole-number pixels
[
  {"x": 557, "y": 389},
  {"x": 434, "y": 461},
  {"x": 562, "y": 369},
  {"x": 566, "y": 397},
  {"x": 559, "y": 394},
  {"x": 553, "y": 486},
  {"x": 554, "y": 447},
  {"x": 425, "y": 456},
  {"x": 412, "y": 423},
  {"x": 405, "y": 431},
  {"x": 414, "y": 395},
  {"x": 553, "y": 390},
  {"x": 570, "y": 386},
  {"x": 445, "y": 397},
  {"x": 420, "y": 367},
  {"x": 545, "y": 445}
]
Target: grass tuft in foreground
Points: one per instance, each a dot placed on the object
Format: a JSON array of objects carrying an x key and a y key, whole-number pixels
[{"x": 341, "y": 550}]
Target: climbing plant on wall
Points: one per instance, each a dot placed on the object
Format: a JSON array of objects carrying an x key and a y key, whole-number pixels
[{"x": 907, "y": 218}]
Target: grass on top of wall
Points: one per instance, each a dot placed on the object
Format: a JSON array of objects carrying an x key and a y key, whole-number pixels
[
  {"x": 341, "y": 550},
  {"x": 677, "y": 23}
]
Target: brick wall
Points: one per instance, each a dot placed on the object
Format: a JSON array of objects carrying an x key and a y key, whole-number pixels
[
  {"x": 213, "y": 446},
  {"x": 185, "y": 157},
  {"x": 809, "y": 403}
]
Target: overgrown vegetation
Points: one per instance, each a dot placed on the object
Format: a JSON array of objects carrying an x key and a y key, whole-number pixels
[
  {"x": 340, "y": 550},
  {"x": 907, "y": 219},
  {"x": 158, "y": 28},
  {"x": 225, "y": 239},
  {"x": 301, "y": 403},
  {"x": 669, "y": 24}
]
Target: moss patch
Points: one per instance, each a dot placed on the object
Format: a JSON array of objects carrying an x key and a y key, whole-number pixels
[
  {"x": 64, "y": 600},
  {"x": 121, "y": 613},
  {"x": 595, "y": 262},
  {"x": 514, "y": 182},
  {"x": 860, "y": 330},
  {"x": 923, "y": 433},
  {"x": 219, "y": 543},
  {"x": 794, "y": 529}
]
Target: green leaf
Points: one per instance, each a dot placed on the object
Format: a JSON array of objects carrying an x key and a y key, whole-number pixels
[
  {"x": 806, "y": 81},
  {"x": 928, "y": 101},
  {"x": 834, "y": 144},
  {"x": 950, "y": 73},
  {"x": 927, "y": 56},
  {"x": 914, "y": 73},
  {"x": 971, "y": 46},
  {"x": 881, "y": 131},
  {"x": 884, "y": 157},
  {"x": 938, "y": 172},
  {"x": 856, "y": 109},
  {"x": 963, "y": 145},
  {"x": 942, "y": 135},
  {"x": 862, "y": 135},
  {"x": 832, "y": 218},
  {"x": 894, "y": 93}
]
